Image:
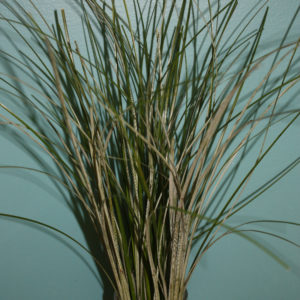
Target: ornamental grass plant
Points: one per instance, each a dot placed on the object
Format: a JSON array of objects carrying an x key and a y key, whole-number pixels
[{"x": 148, "y": 122}]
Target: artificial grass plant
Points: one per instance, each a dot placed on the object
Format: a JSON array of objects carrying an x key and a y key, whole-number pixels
[{"x": 147, "y": 123}]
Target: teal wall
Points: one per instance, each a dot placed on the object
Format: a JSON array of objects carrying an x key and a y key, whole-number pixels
[{"x": 38, "y": 264}]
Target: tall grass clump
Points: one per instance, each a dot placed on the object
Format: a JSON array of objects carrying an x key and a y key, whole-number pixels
[{"x": 147, "y": 122}]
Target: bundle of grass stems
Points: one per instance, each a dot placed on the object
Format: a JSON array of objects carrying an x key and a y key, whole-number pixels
[{"x": 147, "y": 121}]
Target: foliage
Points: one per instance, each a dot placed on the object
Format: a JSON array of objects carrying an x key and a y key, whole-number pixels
[{"x": 148, "y": 124}]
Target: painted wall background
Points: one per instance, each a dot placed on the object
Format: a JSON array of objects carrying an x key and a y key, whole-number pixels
[{"x": 38, "y": 264}]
